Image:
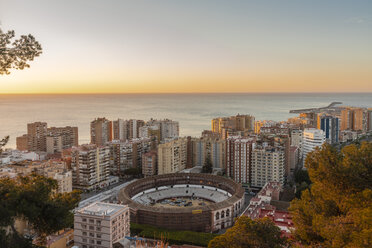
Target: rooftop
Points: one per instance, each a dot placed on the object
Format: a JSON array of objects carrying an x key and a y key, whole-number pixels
[{"x": 101, "y": 209}]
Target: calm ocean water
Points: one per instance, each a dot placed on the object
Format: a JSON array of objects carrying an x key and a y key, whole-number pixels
[{"x": 193, "y": 111}]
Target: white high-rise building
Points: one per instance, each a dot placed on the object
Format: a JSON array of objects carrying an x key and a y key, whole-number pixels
[{"x": 312, "y": 138}]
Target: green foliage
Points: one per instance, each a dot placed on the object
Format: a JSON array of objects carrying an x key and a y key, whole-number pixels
[
  {"x": 16, "y": 53},
  {"x": 33, "y": 198},
  {"x": 250, "y": 233},
  {"x": 172, "y": 236},
  {"x": 302, "y": 180},
  {"x": 337, "y": 210},
  {"x": 208, "y": 166}
]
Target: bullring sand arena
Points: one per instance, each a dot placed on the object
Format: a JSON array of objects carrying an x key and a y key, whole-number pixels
[{"x": 184, "y": 201}]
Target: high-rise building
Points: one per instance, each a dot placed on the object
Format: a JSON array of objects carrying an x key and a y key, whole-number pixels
[
  {"x": 134, "y": 126},
  {"x": 369, "y": 119},
  {"x": 172, "y": 156},
  {"x": 37, "y": 132},
  {"x": 244, "y": 122},
  {"x": 355, "y": 119},
  {"x": 22, "y": 143},
  {"x": 127, "y": 154},
  {"x": 212, "y": 147},
  {"x": 331, "y": 128},
  {"x": 268, "y": 164},
  {"x": 60, "y": 138},
  {"x": 101, "y": 224},
  {"x": 312, "y": 138},
  {"x": 90, "y": 166},
  {"x": 100, "y": 131},
  {"x": 168, "y": 129},
  {"x": 120, "y": 129},
  {"x": 150, "y": 163},
  {"x": 233, "y": 125},
  {"x": 41, "y": 138},
  {"x": 238, "y": 158}
]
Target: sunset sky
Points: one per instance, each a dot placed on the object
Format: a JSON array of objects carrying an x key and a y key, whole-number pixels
[{"x": 192, "y": 46}]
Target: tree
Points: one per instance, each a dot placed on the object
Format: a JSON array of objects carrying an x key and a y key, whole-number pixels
[
  {"x": 302, "y": 181},
  {"x": 3, "y": 143},
  {"x": 15, "y": 54},
  {"x": 337, "y": 210},
  {"x": 208, "y": 166},
  {"x": 34, "y": 198},
  {"x": 260, "y": 233}
]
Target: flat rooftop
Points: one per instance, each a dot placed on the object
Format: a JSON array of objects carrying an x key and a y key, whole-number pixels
[{"x": 101, "y": 209}]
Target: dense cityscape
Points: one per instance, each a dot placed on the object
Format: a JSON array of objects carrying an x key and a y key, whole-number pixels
[
  {"x": 185, "y": 124},
  {"x": 142, "y": 172}
]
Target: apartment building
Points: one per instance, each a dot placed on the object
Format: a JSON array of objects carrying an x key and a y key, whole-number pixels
[
  {"x": 238, "y": 158},
  {"x": 51, "y": 140},
  {"x": 100, "y": 131},
  {"x": 267, "y": 164},
  {"x": 120, "y": 129},
  {"x": 172, "y": 156},
  {"x": 150, "y": 163},
  {"x": 37, "y": 132},
  {"x": 213, "y": 147},
  {"x": 90, "y": 166},
  {"x": 355, "y": 119},
  {"x": 127, "y": 154},
  {"x": 101, "y": 224},
  {"x": 233, "y": 125}
]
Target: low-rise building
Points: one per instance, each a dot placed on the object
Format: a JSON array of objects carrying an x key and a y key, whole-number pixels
[{"x": 101, "y": 224}]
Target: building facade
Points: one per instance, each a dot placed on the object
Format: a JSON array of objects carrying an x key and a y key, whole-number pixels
[
  {"x": 213, "y": 147},
  {"x": 100, "y": 131},
  {"x": 268, "y": 164},
  {"x": 238, "y": 158},
  {"x": 150, "y": 163},
  {"x": 331, "y": 128},
  {"x": 90, "y": 166},
  {"x": 101, "y": 224},
  {"x": 172, "y": 156}
]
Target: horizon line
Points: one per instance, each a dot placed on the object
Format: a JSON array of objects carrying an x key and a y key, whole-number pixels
[{"x": 175, "y": 93}]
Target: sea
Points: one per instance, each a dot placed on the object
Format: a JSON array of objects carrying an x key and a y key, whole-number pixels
[{"x": 194, "y": 112}]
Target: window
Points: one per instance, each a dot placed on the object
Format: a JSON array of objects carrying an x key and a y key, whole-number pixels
[
  {"x": 99, "y": 236},
  {"x": 91, "y": 227},
  {"x": 92, "y": 241},
  {"x": 217, "y": 216},
  {"x": 98, "y": 242},
  {"x": 85, "y": 233},
  {"x": 91, "y": 234},
  {"x": 228, "y": 213},
  {"x": 98, "y": 229},
  {"x": 84, "y": 220},
  {"x": 223, "y": 214},
  {"x": 91, "y": 221},
  {"x": 84, "y": 240},
  {"x": 98, "y": 222},
  {"x": 84, "y": 226}
]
